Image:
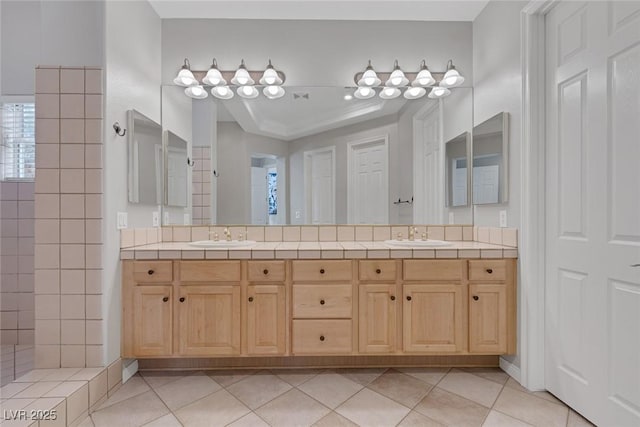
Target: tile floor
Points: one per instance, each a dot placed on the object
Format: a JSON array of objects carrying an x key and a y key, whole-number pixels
[{"x": 331, "y": 398}]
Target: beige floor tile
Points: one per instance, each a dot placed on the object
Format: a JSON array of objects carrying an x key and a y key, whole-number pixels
[
  {"x": 511, "y": 383},
  {"x": 429, "y": 375},
  {"x": 368, "y": 408},
  {"x": 157, "y": 379},
  {"x": 416, "y": 419},
  {"x": 330, "y": 389},
  {"x": 135, "y": 386},
  {"x": 9, "y": 390},
  {"x": 227, "y": 377},
  {"x": 516, "y": 385},
  {"x": 132, "y": 412},
  {"x": 362, "y": 376},
  {"x": 577, "y": 420},
  {"x": 531, "y": 409},
  {"x": 168, "y": 420},
  {"x": 494, "y": 374},
  {"x": 295, "y": 377},
  {"x": 256, "y": 390},
  {"x": 471, "y": 387},
  {"x": 38, "y": 389},
  {"x": 184, "y": 391},
  {"x": 249, "y": 420},
  {"x": 334, "y": 420},
  {"x": 221, "y": 403},
  {"x": 294, "y": 408},
  {"x": 498, "y": 419},
  {"x": 402, "y": 388},
  {"x": 451, "y": 409}
]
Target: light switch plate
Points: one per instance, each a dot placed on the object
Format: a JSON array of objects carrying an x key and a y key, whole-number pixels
[
  {"x": 156, "y": 219},
  {"x": 503, "y": 218},
  {"x": 122, "y": 220},
  {"x": 451, "y": 218}
]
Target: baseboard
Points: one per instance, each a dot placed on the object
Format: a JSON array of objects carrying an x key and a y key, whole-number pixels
[
  {"x": 510, "y": 368},
  {"x": 129, "y": 370}
]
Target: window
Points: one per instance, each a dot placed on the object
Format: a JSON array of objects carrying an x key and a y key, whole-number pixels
[{"x": 18, "y": 141}]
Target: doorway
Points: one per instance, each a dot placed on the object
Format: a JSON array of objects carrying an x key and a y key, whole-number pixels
[
  {"x": 320, "y": 185},
  {"x": 368, "y": 185},
  {"x": 428, "y": 176}
]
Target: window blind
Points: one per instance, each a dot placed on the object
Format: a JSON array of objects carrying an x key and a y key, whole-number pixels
[{"x": 18, "y": 141}]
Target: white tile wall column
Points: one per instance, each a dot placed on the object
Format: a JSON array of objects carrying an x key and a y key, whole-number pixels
[{"x": 68, "y": 212}]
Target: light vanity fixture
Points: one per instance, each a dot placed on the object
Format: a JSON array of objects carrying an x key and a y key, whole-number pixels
[
  {"x": 399, "y": 83},
  {"x": 242, "y": 82}
]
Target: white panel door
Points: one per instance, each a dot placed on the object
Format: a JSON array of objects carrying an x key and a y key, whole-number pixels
[
  {"x": 259, "y": 196},
  {"x": 320, "y": 187},
  {"x": 592, "y": 307},
  {"x": 368, "y": 195}
]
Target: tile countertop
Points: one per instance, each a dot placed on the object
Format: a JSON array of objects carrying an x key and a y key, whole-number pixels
[{"x": 317, "y": 250}]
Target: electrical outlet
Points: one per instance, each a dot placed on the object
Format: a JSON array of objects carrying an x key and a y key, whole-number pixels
[
  {"x": 166, "y": 220},
  {"x": 156, "y": 219},
  {"x": 298, "y": 214},
  {"x": 503, "y": 218},
  {"x": 451, "y": 218},
  {"x": 122, "y": 220}
]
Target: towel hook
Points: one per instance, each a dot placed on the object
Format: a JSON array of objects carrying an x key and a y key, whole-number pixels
[{"x": 119, "y": 130}]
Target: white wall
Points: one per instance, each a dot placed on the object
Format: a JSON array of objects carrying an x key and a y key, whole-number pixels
[
  {"x": 133, "y": 50},
  {"x": 48, "y": 33}
]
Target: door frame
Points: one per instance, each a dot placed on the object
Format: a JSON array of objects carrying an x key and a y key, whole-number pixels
[
  {"x": 531, "y": 304},
  {"x": 307, "y": 179},
  {"x": 351, "y": 148}
]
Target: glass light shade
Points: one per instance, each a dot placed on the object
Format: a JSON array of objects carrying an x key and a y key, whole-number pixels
[
  {"x": 214, "y": 78},
  {"x": 270, "y": 76},
  {"x": 390, "y": 93},
  {"x": 348, "y": 97},
  {"x": 242, "y": 77},
  {"x": 196, "y": 92},
  {"x": 222, "y": 92},
  {"x": 397, "y": 79},
  {"x": 424, "y": 78},
  {"x": 414, "y": 92},
  {"x": 273, "y": 92},
  {"x": 185, "y": 78},
  {"x": 369, "y": 78},
  {"x": 364, "y": 93},
  {"x": 248, "y": 92},
  {"x": 452, "y": 78},
  {"x": 439, "y": 92}
]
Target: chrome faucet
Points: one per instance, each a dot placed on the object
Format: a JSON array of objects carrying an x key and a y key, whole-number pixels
[
  {"x": 214, "y": 234},
  {"x": 412, "y": 232},
  {"x": 227, "y": 234}
]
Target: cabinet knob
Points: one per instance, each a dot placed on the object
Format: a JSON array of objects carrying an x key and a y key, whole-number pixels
[
  {"x": 250, "y": 299},
  {"x": 165, "y": 299},
  {"x": 378, "y": 271},
  {"x": 322, "y": 271},
  {"x": 265, "y": 271},
  {"x": 321, "y": 302},
  {"x": 150, "y": 272},
  {"x": 321, "y": 337},
  {"x": 181, "y": 299},
  {"x": 393, "y": 297},
  {"x": 408, "y": 297},
  {"x": 476, "y": 297},
  {"x": 489, "y": 270}
]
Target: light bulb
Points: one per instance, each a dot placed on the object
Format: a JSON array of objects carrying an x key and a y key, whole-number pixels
[
  {"x": 439, "y": 92},
  {"x": 222, "y": 92},
  {"x": 369, "y": 78},
  {"x": 390, "y": 93},
  {"x": 196, "y": 92},
  {"x": 452, "y": 77},
  {"x": 348, "y": 97},
  {"x": 214, "y": 76},
  {"x": 424, "y": 77},
  {"x": 397, "y": 77},
  {"x": 246, "y": 90},
  {"x": 369, "y": 81},
  {"x": 273, "y": 92},
  {"x": 364, "y": 93},
  {"x": 414, "y": 92},
  {"x": 185, "y": 78},
  {"x": 242, "y": 77},
  {"x": 270, "y": 76}
]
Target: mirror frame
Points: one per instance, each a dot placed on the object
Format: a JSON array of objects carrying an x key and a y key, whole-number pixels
[
  {"x": 504, "y": 174},
  {"x": 166, "y": 135}
]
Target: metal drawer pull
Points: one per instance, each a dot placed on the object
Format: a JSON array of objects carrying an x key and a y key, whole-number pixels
[
  {"x": 265, "y": 271},
  {"x": 250, "y": 299},
  {"x": 489, "y": 270},
  {"x": 476, "y": 297},
  {"x": 393, "y": 298},
  {"x": 321, "y": 302},
  {"x": 408, "y": 298},
  {"x": 165, "y": 299},
  {"x": 321, "y": 337},
  {"x": 182, "y": 299},
  {"x": 322, "y": 271},
  {"x": 378, "y": 271},
  {"x": 150, "y": 272}
]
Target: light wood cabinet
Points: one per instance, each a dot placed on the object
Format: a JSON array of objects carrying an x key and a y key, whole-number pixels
[
  {"x": 322, "y": 301},
  {"x": 152, "y": 316},
  {"x": 377, "y": 318},
  {"x": 488, "y": 318},
  {"x": 266, "y": 319},
  {"x": 209, "y": 320},
  {"x": 433, "y": 318},
  {"x": 324, "y": 336}
]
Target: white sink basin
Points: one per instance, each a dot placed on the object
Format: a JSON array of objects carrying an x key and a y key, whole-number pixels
[
  {"x": 417, "y": 243},
  {"x": 223, "y": 244}
]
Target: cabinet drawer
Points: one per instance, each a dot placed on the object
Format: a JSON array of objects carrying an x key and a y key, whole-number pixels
[
  {"x": 378, "y": 271},
  {"x": 433, "y": 270},
  {"x": 322, "y": 336},
  {"x": 487, "y": 270},
  {"x": 322, "y": 301},
  {"x": 153, "y": 271},
  {"x": 313, "y": 271},
  {"x": 266, "y": 271},
  {"x": 209, "y": 271}
]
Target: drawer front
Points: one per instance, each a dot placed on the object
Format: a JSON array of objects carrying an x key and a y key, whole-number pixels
[
  {"x": 314, "y": 271},
  {"x": 153, "y": 271},
  {"x": 209, "y": 271},
  {"x": 322, "y": 337},
  {"x": 487, "y": 270},
  {"x": 322, "y": 301},
  {"x": 433, "y": 270},
  {"x": 377, "y": 271},
  {"x": 266, "y": 271}
]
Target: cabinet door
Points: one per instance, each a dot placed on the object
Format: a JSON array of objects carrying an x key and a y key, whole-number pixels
[
  {"x": 152, "y": 317},
  {"x": 377, "y": 314},
  {"x": 266, "y": 322},
  {"x": 487, "y": 318},
  {"x": 433, "y": 318},
  {"x": 209, "y": 320}
]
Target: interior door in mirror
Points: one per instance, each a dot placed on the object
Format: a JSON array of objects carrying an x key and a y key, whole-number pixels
[
  {"x": 491, "y": 160},
  {"x": 144, "y": 159}
]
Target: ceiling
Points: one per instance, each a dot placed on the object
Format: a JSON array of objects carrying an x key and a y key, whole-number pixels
[{"x": 366, "y": 10}]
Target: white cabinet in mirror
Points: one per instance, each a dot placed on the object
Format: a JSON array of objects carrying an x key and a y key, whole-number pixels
[{"x": 320, "y": 156}]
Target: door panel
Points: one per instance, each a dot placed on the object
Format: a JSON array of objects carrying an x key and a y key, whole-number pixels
[
  {"x": 369, "y": 183},
  {"x": 377, "y": 314},
  {"x": 266, "y": 321},
  {"x": 152, "y": 316},
  {"x": 488, "y": 318}
]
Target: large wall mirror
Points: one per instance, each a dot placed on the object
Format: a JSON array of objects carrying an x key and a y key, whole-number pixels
[
  {"x": 144, "y": 159},
  {"x": 318, "y": 155},
  {"x": 491, "y": 160}
]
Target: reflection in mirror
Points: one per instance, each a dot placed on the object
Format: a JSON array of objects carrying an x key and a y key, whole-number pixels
[
  {"x": 144, "y": 159},
  {"x": 490, "y": 160},
  {"x": 456, "y": 171},
  {"x": 177, "y": 183}
]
